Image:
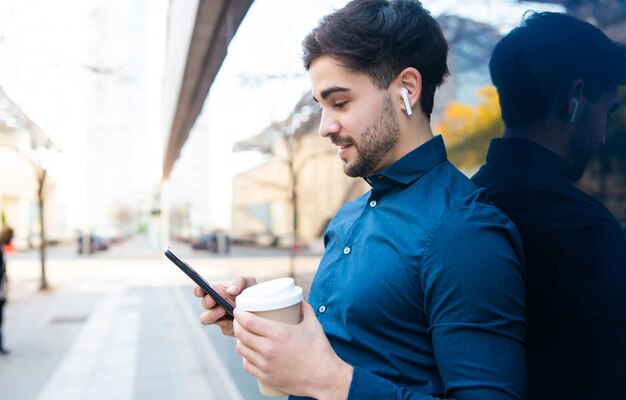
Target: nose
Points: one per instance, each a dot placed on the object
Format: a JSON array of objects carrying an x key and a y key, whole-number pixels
[{"x": 328, "y": 124}]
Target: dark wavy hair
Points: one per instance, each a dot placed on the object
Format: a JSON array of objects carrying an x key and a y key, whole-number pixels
[
  {"x": 537, "y": 62},
  {"x": 380, "y": 38}
]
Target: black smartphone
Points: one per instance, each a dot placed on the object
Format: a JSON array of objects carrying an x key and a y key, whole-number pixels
[{"x": 201, "y": 282}]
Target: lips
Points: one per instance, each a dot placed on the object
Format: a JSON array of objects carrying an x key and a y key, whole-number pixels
[
  {"x": 344, "y": 144},
  {"x": 343, "y": 150},
  {"x": 341, "y": 141}
]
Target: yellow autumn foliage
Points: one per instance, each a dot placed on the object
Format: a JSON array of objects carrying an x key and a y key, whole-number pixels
[{"x": 468, "y": 129}]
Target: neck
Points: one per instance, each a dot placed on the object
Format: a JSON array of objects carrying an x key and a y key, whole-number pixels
[
  {"x": 415, "y": 130},
  {"x": 550, "y": 133}
]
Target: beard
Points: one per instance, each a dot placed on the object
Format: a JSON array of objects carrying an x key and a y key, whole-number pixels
[{"x": 376, "y": 141}]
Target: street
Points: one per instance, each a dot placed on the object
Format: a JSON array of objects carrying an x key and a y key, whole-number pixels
[{"x": 123, "y": 324}]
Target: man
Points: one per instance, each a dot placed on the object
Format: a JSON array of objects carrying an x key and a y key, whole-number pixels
[
  {"x": 6, "y": 235},
  {"x": 557, "y": 78},
  {"x": 420, "y": 291}
]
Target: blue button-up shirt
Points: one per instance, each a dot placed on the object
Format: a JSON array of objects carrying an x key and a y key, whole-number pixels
[{"x": 421, "y": 287}]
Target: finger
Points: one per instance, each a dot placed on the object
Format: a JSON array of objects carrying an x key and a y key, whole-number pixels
[
  {"x": 261, "y": 371},
  {"x": 255, "y": 324},
  {"x": 226, "y": 326},
  {"x": 236, "y": 285},
  {"x": 212, "y": 316},
  {"x": 239, "y": 283},
  {"x": 250, "y": 339},
  {"x": 227, "y": 329},
  {"x": 254, "y": 370},
  {"x": 198, "y": 292},
  {"x": 208, "y": 302},
  {"x": 309, "y": 319},
  {"x": 248, "y": 353},
  {"x": 307, "y": 311}
]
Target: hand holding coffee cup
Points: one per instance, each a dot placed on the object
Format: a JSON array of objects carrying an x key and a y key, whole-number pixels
[{"x": 278, "y": 300}]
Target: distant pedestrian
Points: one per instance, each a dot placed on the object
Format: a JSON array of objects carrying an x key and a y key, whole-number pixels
[
  {"x": 557, "y": 79},
  {"x": 6, "y": 235},
  {"x": 81, "y": 242}
]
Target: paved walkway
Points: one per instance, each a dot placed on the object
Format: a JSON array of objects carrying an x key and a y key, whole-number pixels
[{"x": 116, "y": 328}]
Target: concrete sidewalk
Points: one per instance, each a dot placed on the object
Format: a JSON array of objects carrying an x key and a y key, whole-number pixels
[
  {"x": 122, "y": 328},
  {"x": 128, "y": 343}
]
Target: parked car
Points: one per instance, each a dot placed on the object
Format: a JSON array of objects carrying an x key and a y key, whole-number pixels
[
  {"x": 98, "y": 243},
  {"x": 206, "y": 241},
  {"x": 217, "y": 241},
  {"x": 92, "y": 243},
  {"x": 267, "y": 239}
]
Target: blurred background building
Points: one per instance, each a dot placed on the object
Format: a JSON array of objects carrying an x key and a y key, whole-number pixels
[{"x": 24, "y": 153}]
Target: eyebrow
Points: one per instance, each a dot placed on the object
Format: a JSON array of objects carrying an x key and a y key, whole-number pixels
[{"x": 334, "y": 89}]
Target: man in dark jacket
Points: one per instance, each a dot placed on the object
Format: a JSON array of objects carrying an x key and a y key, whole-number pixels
[{"x": 557, "y": 79}]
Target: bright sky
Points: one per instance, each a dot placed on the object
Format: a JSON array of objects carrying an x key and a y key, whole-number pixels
[{"x": 78, "y": 68}]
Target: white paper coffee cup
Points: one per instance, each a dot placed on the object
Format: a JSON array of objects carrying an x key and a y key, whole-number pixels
[{"x": 278, "y": 300}]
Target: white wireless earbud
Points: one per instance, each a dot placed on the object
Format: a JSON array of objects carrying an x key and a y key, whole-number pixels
[
  {"x": 405, "y": 97},
  {"x": 572, "y": 113}
]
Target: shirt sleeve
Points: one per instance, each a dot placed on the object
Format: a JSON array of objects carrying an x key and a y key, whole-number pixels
[
  {"x": 368, "y": 386},
  {"x": 474, "y": 301}
]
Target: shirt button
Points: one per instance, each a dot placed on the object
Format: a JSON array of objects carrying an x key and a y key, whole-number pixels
[
  {"x": 346, "y": 250},
  {"x": 321, "y": 309},
  {"x": 373, "y": 203}
]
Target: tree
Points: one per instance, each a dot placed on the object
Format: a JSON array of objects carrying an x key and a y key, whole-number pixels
[
  {"x": 42, "y": 173},
  {"x": 468, "y": 129},
  {"x": 29, "y": 140},
  {"x": 283, "y": 142}
]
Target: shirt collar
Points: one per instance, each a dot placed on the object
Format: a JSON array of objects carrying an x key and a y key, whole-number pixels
[
  {"x": 410, "y": 167},
  {"x": 530, "y": 154}
]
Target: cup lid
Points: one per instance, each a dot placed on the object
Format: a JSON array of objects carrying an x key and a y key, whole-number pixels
[{"x": 270, "y": 295}]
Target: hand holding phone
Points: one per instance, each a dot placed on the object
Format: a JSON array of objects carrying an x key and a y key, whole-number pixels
[{"x": 200, "y": 282}]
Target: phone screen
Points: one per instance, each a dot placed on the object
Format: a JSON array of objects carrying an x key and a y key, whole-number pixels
[{"x": 199, "y": 280}]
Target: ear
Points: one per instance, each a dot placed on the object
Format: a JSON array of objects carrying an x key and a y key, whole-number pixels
[
  {"x": 575, "y": 96},
  {"x": 410, "y": 79}
]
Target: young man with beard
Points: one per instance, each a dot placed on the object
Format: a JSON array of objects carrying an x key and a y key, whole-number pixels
[
  {"x": 420, "y": 292},
  {"x": 557, "y": 78}
]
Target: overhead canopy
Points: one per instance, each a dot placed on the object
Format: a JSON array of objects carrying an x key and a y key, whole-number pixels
[
  {"x": 215, "y": 25},
  {"x": 18, "y": 131}
]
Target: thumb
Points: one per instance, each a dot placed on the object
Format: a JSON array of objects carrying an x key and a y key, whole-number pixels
[
  {"x": 307, "y": 312},
  {"x": 239, "y": 283},
  {"x": 233, "y": 289},
  {"x": 236, "y": 285}
]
